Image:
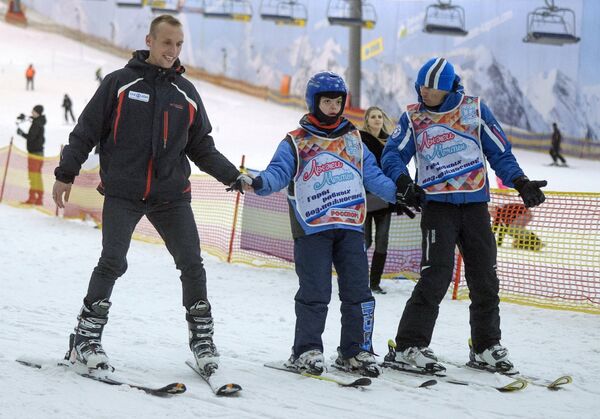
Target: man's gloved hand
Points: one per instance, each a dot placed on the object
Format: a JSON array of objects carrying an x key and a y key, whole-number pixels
[
  {"x": 530, "y": 191},
  {"x": 241, "y": 184},
  {"x": 400, "y": 208},
  {"x": 20, "y": 132},
  {"x": 408, "y": 193}
]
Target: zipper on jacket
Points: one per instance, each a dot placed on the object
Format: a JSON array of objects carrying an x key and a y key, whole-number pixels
[
  {"x": 165, "y": 128},
  {"x": 148, "y": 180}
]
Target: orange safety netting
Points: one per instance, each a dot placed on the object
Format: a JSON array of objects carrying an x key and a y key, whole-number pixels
[{"x": 548, "y": 256}]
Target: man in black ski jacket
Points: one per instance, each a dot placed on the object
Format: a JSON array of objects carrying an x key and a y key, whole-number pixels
[
  {"x": 147, "y": 121},
  {"x": 35, "y": 158}
]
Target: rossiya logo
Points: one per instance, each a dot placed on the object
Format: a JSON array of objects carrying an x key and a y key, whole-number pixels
[{"x": 344, "y": 212}]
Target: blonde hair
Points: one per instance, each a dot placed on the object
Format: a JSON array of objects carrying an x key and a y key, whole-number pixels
[{"x": 388, "y": 124}]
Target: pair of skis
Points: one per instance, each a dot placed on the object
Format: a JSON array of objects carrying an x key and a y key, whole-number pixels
[
  {"x": 520, "y": 381},
  {"x": 214, "y": 380}
]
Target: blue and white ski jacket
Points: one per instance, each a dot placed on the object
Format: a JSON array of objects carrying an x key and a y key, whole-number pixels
[
  {"x": 283, "y": 168},
  {"x": 401, "y": 147}
]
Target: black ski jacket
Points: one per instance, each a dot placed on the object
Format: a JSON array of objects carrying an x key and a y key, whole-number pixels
[
  {"x": 147, "y": 121},
  {"x": 35, "y": 136}
]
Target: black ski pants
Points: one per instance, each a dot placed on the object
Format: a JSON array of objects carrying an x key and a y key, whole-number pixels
[
  {"x": 444, "y": 226},
  {"x": 175, "y": 223}
]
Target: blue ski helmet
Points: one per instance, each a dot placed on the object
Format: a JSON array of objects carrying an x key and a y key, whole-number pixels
[{"x": 324, "y": 82}]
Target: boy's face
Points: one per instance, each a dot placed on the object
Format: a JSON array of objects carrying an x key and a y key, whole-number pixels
[
  {"x": 165, "y": 45},
  {"x": 330, "y": 107},
  {"x": 432, "y": 97}
]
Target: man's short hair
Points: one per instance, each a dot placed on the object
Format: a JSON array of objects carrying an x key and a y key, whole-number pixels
[{"x": 160, "y": 19}]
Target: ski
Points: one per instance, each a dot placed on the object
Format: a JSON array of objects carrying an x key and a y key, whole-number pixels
[
  {"x": 554, "y": 385},
  {"x": 516, "y": 385},
  {"x": 424, "y": 384},
  {"x": 215, "y": 381},
  {"x": 358, "y": 383},
  {"x": 440, "y": 374},
  {"x": 168, "y": 390}
]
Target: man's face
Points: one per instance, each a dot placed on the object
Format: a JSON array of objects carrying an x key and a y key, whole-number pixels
[
  {"x": 432, "y": 97},
  {"x": 165, "y": 45},
  {"x": 330, "y": 107}
]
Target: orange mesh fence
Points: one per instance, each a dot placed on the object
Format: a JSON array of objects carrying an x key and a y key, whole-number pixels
[{"x": 548, "y": 256}]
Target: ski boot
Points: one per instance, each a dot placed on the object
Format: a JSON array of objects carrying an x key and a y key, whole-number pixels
[
  {"x": 418, "y": 359},
  {"x": 200, "y": 325},
  {"x": 494, "y": 359},
  {"x": 311, "y": 361},
  {"x": 363, "y": 362},
  {"x": 85, "y": 346}
]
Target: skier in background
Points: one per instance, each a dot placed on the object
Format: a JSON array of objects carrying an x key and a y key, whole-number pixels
[
  {"x": 29, "y": 76},
  {"x": 376, "y": 128},
  {"x": 555, "y": 149},
  {"x": 324, "y": 166},
  {"x": 99, "y": 77},
  {"x": 68, "y": 106},
  {"x": 450, "y": 134},
  {"x": 143, "y": 173}
]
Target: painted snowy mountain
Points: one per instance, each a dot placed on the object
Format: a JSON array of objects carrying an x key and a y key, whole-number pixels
[{"x": 561, "y": 100}]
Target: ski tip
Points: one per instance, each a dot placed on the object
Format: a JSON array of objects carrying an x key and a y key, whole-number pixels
[
  {"x": 229, "y": 389},
  {"x": 518, "y": 384},
  {"x": 392, "y": 343},
  {"x": 559, "y": 382},
  {"x": 29, "y": 363},
  {"x": 361, "y": 382},
  {"x": 428, "y": 383},
  {"x": 173, "y": 388}
]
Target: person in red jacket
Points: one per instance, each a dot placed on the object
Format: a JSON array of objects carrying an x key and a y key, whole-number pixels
[
  {"x": 29, "y": 75},
  {"x": 147, "y": 121}
]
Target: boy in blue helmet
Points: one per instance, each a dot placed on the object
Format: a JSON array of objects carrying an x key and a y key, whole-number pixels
[
  {"x": 450, "y": 135},
  {"x": 326, "y": 170}
]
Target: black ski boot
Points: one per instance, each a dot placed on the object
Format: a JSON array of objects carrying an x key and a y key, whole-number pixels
[
  {"x": 200, "y": 324},
  {"x": 85, "y": 346}
]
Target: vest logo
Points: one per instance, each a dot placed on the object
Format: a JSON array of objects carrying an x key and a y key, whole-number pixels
[
  {"x": 317, "y": 169},
  {"x": 428, "y": 141},
  {"x": 142, "y": 97},
  {"x": 345, "y": 213}
]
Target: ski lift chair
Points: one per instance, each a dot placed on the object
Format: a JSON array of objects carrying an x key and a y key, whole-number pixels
[
  {"x": 164, "y": 6},
  {"x": 445, "y": 19},
  {"x": 240, "y": 10},
  {"x": 139, "y": 3},
  {"x": 284, "y": 12},
  {"x": 339, "y": 13},
  {"x": 551, "y": 25}
]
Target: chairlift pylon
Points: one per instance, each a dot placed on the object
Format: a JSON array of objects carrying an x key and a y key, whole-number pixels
[
  {"x": 339, "y": 12},
  {"x": 551, "y": 25},
  {"x": 239, "y": 10},
  {"x": 284, "y": 12},
  {"x": 445, "y": 19}
]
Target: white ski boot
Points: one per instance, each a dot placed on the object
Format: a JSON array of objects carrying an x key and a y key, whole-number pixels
[
  {"x": 363, "y": 362},
  {"x": 200, "y": 325},
  {"x": 85, "y": 345},
  {"x": 495, "y": 358},
  {"x": 311, "y": 361}
]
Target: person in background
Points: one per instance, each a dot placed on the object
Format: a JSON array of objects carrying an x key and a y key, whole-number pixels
[
  {"x": 35, "y": 158},
  {"x": 99, "y": 77},
  {"x": 150, "y": 121},
  {"x": 450, "y": 135},
  {"x": 376, "y": 128},
  {"x": 29, "y": 76},
  {"x": 555, "y": 148},
  {"x": 68, "y": 106},
  {"x": 326, "y": 169}
]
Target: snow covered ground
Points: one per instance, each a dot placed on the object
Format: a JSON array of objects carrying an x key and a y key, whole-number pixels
[{"x": 45, "y": 264}]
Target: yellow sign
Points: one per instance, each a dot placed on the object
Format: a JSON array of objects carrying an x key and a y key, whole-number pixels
[{"x": 371, "y": 49}]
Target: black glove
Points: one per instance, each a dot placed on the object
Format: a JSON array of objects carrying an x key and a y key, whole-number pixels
[
  {"x": 20, "y": 132},
  {"x": 408, "y": 193},
  {"x": 530, "y": 191},
  {"x": 239, "y": 183},
  {"x": 400, "y": 208}
]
